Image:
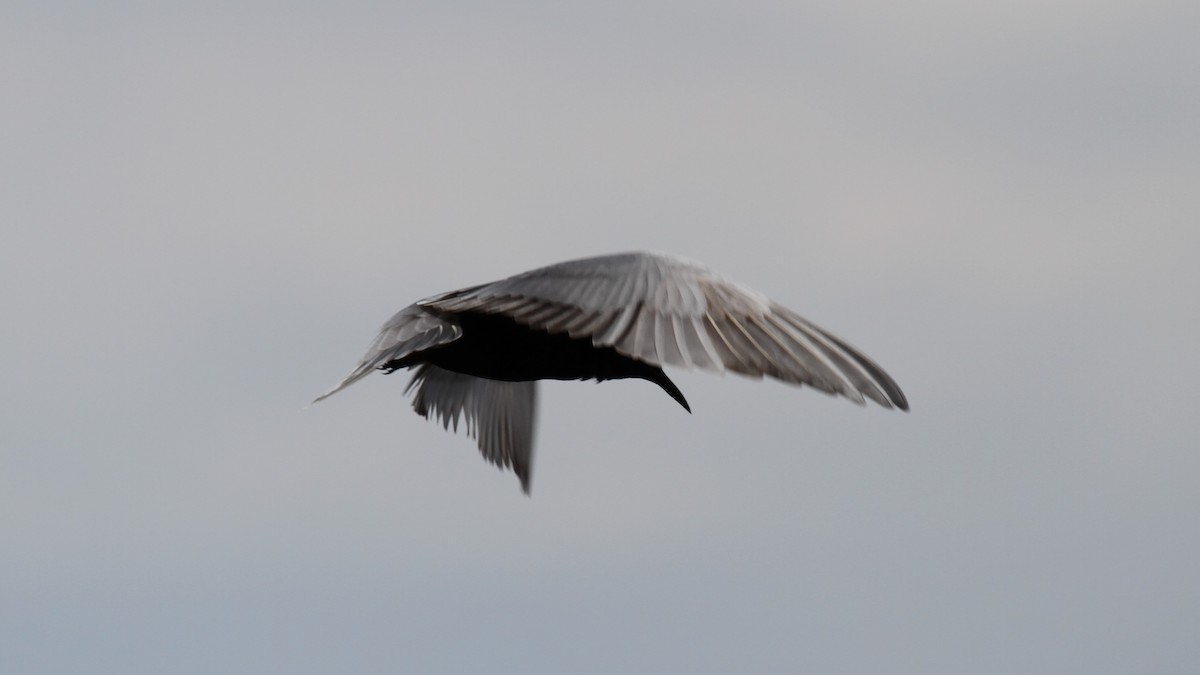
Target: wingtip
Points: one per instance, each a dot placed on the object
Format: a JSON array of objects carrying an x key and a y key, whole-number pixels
[
  {"x": 327, "y": 394},
  {"x": 894, "y": 397},
  {"x": 356, "y": 375}
]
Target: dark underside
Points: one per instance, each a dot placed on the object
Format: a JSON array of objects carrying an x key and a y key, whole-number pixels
[{"x": 497, "y": 348}]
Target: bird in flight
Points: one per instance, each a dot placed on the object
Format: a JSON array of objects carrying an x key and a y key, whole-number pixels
[{"x": 479, "y": 351}]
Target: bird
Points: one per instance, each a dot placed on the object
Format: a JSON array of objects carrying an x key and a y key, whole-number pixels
[{"x": 479, "y": 351}]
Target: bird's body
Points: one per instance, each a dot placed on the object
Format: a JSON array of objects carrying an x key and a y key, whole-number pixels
[
  {"x": 480, "y": 349},
  {"x": 496, "y": 347}
]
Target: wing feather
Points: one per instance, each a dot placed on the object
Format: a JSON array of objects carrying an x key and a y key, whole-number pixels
[
  {"x": 499, "y": 415},
  {"x": 747, "y": 348},
  {"x": 666, "y": 342},
  {"x": 616, "y": 332},
  {"x": 867, "y": 377},
  {"x": 642, "y": 333},
  {"x": 586, "y": 323},
  {"x": 799, "y": 351},
  {"x": 409, "y": 331},
  {"x": 681, "y": 340},
  {"x": 699, "y": 347}
]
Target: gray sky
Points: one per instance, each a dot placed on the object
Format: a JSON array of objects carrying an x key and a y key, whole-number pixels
[{"x": 208, "y": 210}]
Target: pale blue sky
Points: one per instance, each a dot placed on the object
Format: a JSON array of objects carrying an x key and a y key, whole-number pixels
[{"x": 209, "y": 208}]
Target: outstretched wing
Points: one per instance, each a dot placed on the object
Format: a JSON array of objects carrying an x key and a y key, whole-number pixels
[
  {"x": 409, "y": 331},
  {"x": 669, "y": 311},
  {"x": 499, "y": 415}
]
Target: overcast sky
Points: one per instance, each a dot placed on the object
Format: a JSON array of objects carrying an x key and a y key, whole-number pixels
[{"x": 208, "y": 209}]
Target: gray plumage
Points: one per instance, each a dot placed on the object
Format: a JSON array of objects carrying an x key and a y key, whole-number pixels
[{"x": 479, "y": 350}]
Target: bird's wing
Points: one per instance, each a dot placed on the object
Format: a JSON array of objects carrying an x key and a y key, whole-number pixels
[
  {"x": 499, "y": 415},
  {"x": 409, "y": 331},
  {"x": 666, "y": 310}
]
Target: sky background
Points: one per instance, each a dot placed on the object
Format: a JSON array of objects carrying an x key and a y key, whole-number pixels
[{"x": 209, "y": 208}]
